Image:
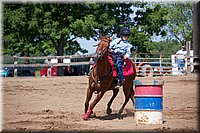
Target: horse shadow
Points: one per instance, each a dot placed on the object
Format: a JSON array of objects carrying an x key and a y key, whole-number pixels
[{"x": 115, "y": 115}]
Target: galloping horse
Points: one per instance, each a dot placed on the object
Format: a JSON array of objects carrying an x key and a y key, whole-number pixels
[{"x": 101, "y": 80}]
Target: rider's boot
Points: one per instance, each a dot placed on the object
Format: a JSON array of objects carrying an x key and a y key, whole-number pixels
[{"x": 120, "y": 83}]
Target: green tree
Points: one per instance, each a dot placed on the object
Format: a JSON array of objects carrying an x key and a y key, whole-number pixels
[
  {"x": 170, "y": 20},
  {"x": 18, "y": 30},
  {"x": 179, "y": 21},
  {"x": 43, "y": 28},
  {"x": 166, "y": 47},
  {"x": 178, "y": 27},
  {"x": 149, "y": 21}
]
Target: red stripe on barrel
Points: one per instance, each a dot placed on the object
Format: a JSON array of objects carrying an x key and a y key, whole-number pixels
[{"x": 143, "y": 90}]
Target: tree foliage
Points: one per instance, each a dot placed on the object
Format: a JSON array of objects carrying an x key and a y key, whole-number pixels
[
  {"x": 179, "y": 20},
  {"x": 170, "y": 20},
  {"x": 44, "y": 28},
  {"x": 149, "y": 21}
]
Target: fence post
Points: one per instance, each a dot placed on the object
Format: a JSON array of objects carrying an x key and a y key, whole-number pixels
[
  {"x": 91, "y": 62},
  {"x": 160, "y": 60},
  {"x": 136, "y": 58},
  {"x": 187, "y": 60},
  {"x": 136, "y": 64},
  {"x": 49, "y": 67},
  {"x": 196, "y": 38},
  {"x": 15, "y": 65}
]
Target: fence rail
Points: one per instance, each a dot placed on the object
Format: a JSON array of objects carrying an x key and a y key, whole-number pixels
[
  {"x": 43, "y": 65},
  {"x": 163, "y": 66}
]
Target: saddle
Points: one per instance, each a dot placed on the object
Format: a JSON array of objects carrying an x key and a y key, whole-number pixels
[{"x": 127, "y": 68}]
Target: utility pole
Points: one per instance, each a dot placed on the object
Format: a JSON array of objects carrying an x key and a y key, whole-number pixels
[{"x": 196, "y": 35}]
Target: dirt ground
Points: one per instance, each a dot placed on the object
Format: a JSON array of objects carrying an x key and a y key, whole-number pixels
[{"x": 57, "y": 104}]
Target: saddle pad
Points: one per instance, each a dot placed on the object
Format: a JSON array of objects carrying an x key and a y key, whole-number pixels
[{"x": 127, "y": 69}]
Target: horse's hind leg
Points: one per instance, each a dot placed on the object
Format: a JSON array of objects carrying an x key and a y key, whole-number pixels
[
  {"x": 127, "y": 93},
  {"x": 115, "y": 92},
  {"x": 132, "y": 95}
]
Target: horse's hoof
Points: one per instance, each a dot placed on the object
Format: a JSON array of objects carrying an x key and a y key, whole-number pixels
[
  {"x": 87, "y": 114},
  {"x": 85, "y": 117},
  {"x": 109, "y": 111},
  {"x": 91, "y": 112}
]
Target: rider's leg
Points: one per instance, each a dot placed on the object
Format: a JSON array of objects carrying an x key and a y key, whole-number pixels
[{"x": 120, "y": 71}]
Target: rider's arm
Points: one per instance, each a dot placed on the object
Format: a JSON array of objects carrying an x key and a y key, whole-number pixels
[
  {"x": 128, "y": 52},
  {"x": 112, "y": 44}
]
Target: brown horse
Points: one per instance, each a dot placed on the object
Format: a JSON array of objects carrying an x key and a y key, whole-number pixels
[{"x": 101, "y": 80}]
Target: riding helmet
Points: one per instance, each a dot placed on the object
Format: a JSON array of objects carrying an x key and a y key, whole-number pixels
[{"x": 125, "y": 32}]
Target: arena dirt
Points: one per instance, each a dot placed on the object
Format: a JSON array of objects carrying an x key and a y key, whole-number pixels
[{"x": 57, "y": 104}]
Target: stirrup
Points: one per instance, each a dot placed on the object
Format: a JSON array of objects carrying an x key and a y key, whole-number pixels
[
  {"x": 119, "y": 84},
  {"x": 117, "y": 87}
]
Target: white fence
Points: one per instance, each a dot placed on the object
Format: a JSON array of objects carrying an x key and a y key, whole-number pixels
[
  {"x": 145, "y": 66},
  {"x": 160, "y": 65}
]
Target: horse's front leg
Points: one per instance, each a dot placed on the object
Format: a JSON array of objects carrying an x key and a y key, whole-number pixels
[
  {"x": 115, "y": 92},
  {"x": 92, "y": 105},
  {"x": 88, "y": 98}
]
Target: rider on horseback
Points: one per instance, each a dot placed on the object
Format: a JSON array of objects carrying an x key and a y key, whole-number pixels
[{"x": 121, "y": 50}]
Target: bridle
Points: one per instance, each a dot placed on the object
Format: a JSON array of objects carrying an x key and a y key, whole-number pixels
[
  {"x": 102, "y": 52},
  {"x": 99, "y": 56}
]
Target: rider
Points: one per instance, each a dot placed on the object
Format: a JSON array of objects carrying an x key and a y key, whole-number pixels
[{"x": 121, "y": 49}]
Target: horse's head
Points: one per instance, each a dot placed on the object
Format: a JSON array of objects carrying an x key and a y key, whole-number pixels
[{"x": 103, "y": 46}]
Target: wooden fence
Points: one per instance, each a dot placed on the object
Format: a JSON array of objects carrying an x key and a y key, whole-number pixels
[{"x": 146, "y": 65}]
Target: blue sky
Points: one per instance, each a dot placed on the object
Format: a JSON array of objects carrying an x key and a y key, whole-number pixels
[{"x": 87, "y": 44}]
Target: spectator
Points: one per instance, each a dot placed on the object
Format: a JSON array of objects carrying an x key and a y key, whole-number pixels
[{"x": 180, "y": 58}]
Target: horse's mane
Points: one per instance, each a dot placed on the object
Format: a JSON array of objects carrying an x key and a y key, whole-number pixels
[{"x": 105, "y": 38}]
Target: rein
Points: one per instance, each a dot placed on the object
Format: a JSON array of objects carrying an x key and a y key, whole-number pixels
[{"x": 98, "y": 81}]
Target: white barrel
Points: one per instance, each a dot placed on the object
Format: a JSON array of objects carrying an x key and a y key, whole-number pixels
[{"x": 148, "y": 117}]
